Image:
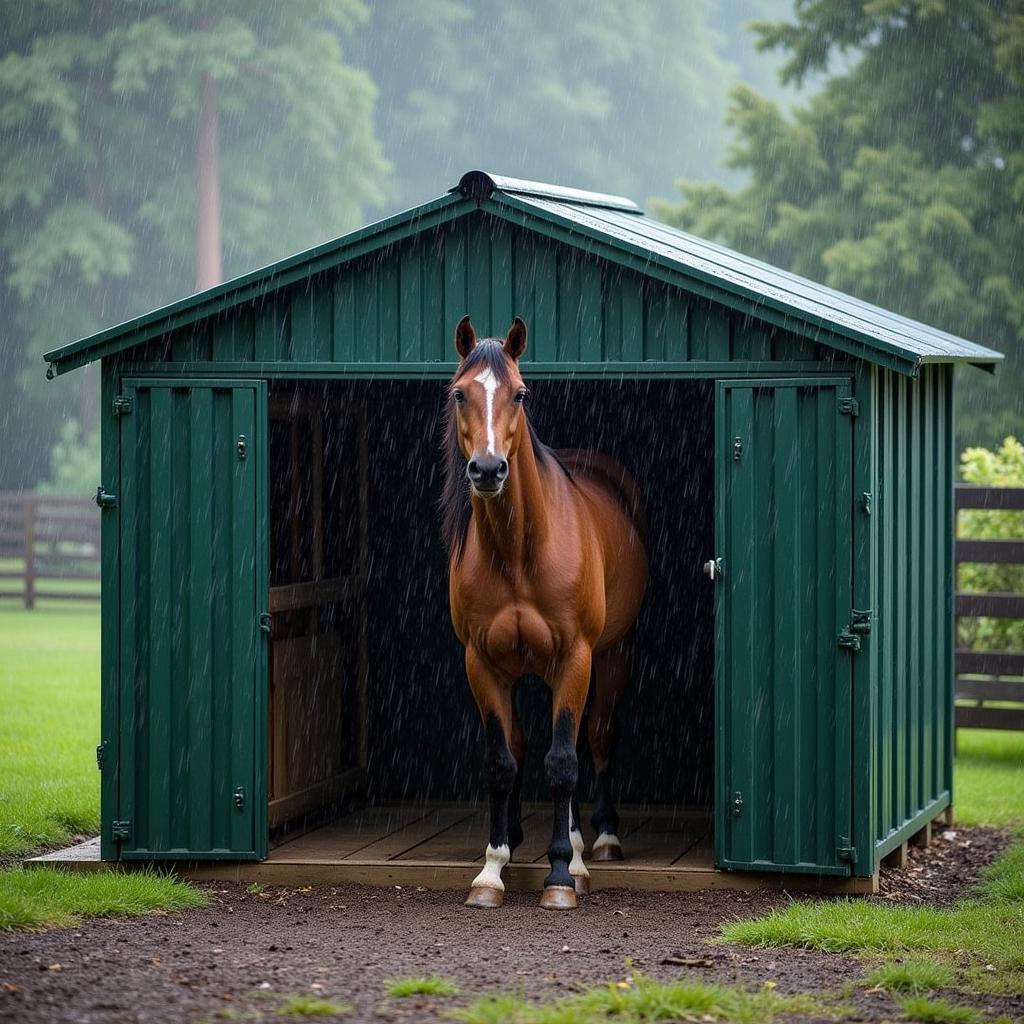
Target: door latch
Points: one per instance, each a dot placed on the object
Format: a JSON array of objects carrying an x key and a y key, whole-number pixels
[
  {"x": 242, "y": 447},
  {"x": 713, "y": 569},
  {"x": 104, "y": 499}
]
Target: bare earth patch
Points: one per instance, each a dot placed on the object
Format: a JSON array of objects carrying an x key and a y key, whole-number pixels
[{"x": 248, "y": 952}]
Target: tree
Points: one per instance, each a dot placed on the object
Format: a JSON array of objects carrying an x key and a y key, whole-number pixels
[
  {"x": 143, "y": 141},
  {"x": 901, "y": 181},
  {"x": 592, "y": 93}
]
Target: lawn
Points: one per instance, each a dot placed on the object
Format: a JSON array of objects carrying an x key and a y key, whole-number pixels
[{"x": 49, "y": 689}]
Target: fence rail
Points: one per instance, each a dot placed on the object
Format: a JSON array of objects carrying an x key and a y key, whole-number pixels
[
  {"x": 49, "y": 545},
  {"x": 989, "y": 683}
]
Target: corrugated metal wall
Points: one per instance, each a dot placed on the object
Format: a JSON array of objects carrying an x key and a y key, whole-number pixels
[
  {"x": 783, "y": 697},
  {"x": 192, "y": 584},
  {"x": 402, "y": 306},
  {"x": 912, "y": 643}
]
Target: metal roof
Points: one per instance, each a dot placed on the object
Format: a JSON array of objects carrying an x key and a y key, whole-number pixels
[{"x": 611, "y": 224}]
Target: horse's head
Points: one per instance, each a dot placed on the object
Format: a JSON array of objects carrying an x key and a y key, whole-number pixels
[{"x": 487, "y": 393}]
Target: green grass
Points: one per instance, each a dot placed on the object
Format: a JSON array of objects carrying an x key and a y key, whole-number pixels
[
  {"x": 48, "y": 898},
  {"x": 400, "y": 988},
  {"x": 988, "y": 777},
  {"x": 310, "y": 1006},
  {"x": 938, "y": 1011},
  {"x": 639, "y": 1000},
  {"x": 49, "y": 728},
  {"x": 911, "y": 976}
]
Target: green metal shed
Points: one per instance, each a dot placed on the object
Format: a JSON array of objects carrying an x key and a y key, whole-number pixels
[{"x": 275, "y": 638}]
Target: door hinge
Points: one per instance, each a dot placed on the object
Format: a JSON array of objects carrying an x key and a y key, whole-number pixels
[
  {"x": 849, "y": 640},
  {"x": 865, "y": 503},
  {"x": 240, "y": 798},
  {"x": 122, "y": 405},
  {"x": 104, "y": 499},
  {"x": 849, "y": 406},
  {"x": 860, "y": 620},
  {"x": 121, "y": 830},
  {"x": 266, "y": 621},
  {"x": 845, "y": 851},
  {"x": 101, "y": 753},
  {"x": 737, "y": 804}
]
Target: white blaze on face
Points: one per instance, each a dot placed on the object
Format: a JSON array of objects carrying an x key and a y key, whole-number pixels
[
  {"x": 490, "y": 385},
  {"x": 490, "y": 877}
]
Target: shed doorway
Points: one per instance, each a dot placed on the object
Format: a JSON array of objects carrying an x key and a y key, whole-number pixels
[{"x": 375, "y": 749}]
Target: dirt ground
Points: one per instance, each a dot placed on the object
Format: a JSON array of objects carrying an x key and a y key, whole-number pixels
[{"x": 247, "y": 952}]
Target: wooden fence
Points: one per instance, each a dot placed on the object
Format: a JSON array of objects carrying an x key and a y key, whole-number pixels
[
  {"x": 988, "y": 696},
  {"x": 49, "y": 548}
]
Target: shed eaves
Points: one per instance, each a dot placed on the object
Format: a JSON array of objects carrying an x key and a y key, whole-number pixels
[{"x": 612, "y": 220}]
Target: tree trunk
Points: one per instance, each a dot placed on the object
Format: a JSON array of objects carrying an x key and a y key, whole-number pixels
[{"x": 208, "y": 251}]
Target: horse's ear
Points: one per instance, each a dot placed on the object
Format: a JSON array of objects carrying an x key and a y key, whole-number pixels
[
  {"x": 465, "y": 337},
  {"x": 515, "y": 340}
]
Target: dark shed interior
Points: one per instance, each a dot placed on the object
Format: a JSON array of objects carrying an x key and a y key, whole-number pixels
[{"x": 369, "y": 700}]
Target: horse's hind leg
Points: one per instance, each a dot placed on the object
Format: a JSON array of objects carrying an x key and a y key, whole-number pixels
[
  {"x": 611, "y": 674},
  {"x": 494, "y": 701}
]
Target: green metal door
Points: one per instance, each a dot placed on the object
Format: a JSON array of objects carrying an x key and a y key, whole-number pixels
[
  {"x": 192, "y": 694},
  {"x": 783, "y": 703}
]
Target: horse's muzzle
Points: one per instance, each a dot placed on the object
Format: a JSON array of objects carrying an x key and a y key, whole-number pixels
[{"x": 487, "y": 474}]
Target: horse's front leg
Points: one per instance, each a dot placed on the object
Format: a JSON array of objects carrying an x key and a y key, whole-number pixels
[
  {"x": 493, "y": 695},
  {"x": 569, "y": 685}
]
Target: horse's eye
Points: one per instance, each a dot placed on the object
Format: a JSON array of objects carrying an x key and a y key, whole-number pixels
[
  {"x": 459, "y": 396},
  {"x": 520, "y": 397}
]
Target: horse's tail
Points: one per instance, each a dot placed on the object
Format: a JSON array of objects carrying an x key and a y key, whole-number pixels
[{"x": 616, "y": 478}]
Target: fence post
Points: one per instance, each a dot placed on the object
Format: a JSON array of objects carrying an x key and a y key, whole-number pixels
[{"x": 30, "y": 550}]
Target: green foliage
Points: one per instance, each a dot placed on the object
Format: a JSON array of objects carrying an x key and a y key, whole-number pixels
[
  {"x": 938, "y": 1011},
  {"x": 49, "y": 691},
  {"x": 901, "y": 181},
  {"x": 1003, "y": 881},
  {"x": 914, "y": 976},
  {"x": 638, "y": 999},
  {"x": 98, "y": 117},
  {"x": 309, "y": 1006},
  {"x": 592, "y": 93},
  {"x": 1003, "y": 467},
  {"x": 74, "y": 462},
  {"x": 47, "y": 898},
  {"x": 400, "y": 988}
]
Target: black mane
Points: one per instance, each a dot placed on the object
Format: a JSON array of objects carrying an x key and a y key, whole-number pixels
[{"x": 456, "y": 510}]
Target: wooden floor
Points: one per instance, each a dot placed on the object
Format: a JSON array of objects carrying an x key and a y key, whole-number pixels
[
  {"x": 440, "y": 846},
  {"x": 443, "y": 844}
]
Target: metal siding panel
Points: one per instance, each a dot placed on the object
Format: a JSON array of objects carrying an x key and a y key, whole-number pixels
[
  {"x": 502, "y": 309},
  {"x": 344, "y": 317},
  {"x": 887, "y": 496},
  {"x": 915, "y": 508},
  {"x": 389, "y": 290},
  {"x": 478, "y": 276},
  {"x": 632, "y": 292},
  {"x": 200, "y": 639},
  {"x": 948, "y": 521},
  {"x": 787, "y": 552},
  {"x": 455, "y": 279},
  {"x": 158, "y": 681},
  {"x": 545, "y": 328},
  {"x": 824, "y": 529},
  {"x": 244, "y": 628},
  {"x": 591, "y": 320},
  {"x": 410, "y": 299},
  {"x": 366, "y": 306},
  {"x": 524, "y": 280},
  {"x": 612, "y": 303},
  {"x": 569, "y": 305},
  {"x": 435, "y": 328},
  {"x": 929, "y": 595},
  {"x": 272, "y": 327},
  {"x": 719, "y": 333},
  {"x": 900, "y": 605},
  {"x": 697, "y": 331}
]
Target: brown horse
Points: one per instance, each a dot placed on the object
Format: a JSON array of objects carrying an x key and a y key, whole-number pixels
[{"x": 547, "y": 574}]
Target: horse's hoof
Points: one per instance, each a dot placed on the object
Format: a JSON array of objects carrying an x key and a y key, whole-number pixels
[
  {"x": 485, "y": 897},
  {"x": 606, "y": 852},
  {"x": 582, "y": 884},
  {"x": 558, "y": 897}
]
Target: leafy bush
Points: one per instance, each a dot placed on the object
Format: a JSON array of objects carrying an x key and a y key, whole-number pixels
[
  {"x": 1003, "y": 467},
  {"x": 74, "y": 463}
]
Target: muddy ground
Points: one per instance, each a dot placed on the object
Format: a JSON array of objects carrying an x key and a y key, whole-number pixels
[{"x": 247, "y": 951}]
